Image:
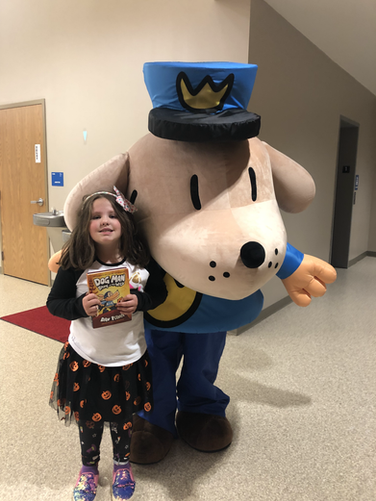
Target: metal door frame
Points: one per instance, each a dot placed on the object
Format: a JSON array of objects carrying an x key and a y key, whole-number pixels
[{"x": 344, "y": 122}]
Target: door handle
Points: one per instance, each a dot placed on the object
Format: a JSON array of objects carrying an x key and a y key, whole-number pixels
[{"x": 40, "y": 201}]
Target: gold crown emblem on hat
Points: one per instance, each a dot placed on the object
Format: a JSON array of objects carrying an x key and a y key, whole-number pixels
[{"x": 207, "y": 96}]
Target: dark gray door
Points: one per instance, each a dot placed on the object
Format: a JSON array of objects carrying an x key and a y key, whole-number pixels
[{"x": 345, "y": 193}]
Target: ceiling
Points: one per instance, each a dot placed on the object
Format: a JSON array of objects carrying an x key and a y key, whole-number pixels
[{"x": 345, "y": 30}]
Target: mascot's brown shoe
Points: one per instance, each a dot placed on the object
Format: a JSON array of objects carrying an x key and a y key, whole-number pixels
[
  {"x": 149, "y": 443},
  {"x": 204, "y": 432}
]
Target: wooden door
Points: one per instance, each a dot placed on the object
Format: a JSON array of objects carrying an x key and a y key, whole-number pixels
[{"x": 22, "y": 180}]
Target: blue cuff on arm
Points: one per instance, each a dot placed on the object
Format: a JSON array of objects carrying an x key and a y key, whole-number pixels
[{"x": 291, "y": 263}]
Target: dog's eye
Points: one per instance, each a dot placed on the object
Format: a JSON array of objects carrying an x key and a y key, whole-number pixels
[
  {"x": 195, "y": 197},
  {"x": 252, "y": 177},
  {"x": 133, "y": 197}
]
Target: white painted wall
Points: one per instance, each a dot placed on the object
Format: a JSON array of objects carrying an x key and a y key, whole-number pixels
[{"x": 85, "y": 59}]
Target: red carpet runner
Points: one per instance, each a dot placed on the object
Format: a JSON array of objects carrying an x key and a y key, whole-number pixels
[{"x": 41, "y": 321}]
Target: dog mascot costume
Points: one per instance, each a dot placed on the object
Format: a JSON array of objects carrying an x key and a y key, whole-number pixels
[{"x": 208, "y": 194}]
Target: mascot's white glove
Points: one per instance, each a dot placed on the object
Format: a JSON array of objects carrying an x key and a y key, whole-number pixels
[{"x": 309, "y": 280}]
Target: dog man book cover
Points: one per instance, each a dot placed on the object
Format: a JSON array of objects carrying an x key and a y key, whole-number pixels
[{"x": 111, "y": 286}]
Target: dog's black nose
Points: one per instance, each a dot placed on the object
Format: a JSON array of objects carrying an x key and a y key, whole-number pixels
[{"x": 252, "y": 254}]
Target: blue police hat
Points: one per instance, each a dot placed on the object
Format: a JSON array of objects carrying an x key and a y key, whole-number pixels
[{"x": 204, "y": 101}]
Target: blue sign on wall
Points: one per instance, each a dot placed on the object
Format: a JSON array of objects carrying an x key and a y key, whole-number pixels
[{"x": 57, "y": 178}]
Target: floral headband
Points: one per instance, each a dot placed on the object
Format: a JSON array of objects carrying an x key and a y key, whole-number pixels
[{"x": 119, "y": 197}]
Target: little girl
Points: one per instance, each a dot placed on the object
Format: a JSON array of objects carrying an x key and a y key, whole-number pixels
[{"x": 104, "y": 375}]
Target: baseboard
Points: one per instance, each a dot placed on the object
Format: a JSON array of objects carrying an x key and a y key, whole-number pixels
[
  {"x": 361, "y": 256},
  {"x": 357, "y": 259},
  {"x": 270, "y": 310}
]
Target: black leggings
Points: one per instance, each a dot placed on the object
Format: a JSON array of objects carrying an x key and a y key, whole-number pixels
[{"x": 91, "y": 436}]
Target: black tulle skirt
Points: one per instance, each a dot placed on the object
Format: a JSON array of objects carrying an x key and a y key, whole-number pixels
[{"x": 82, "y": 390}]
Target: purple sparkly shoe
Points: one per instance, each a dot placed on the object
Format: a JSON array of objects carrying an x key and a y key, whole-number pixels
[
  {"x": 123, "y": 484},
  {"x": 86, "y": 487}
]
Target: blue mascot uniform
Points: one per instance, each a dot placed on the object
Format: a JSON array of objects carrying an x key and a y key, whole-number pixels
[{"x": 200, "y": 340}]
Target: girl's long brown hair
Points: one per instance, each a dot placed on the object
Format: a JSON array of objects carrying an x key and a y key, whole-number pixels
[{"x": 79, "y": 251}]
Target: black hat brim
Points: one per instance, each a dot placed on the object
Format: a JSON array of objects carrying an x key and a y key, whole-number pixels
[{"x": 233, "y": 125}]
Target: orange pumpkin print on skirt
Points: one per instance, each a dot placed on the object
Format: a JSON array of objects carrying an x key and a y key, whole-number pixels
[
  {"x": 106, "y": 395},
  {"x": 147, "y": 407},
  {"x": 86, "y": 363},
  {"x": 74, "y": 366},
  {"x": 101, "y": 368},
  {"x": 127, "y": 426},
  {"x": 116, "y": 409},
  {"x": 117, "y": 378},
  {"x": 96, "y": 417},
  {"x": 76, "y": 386}
]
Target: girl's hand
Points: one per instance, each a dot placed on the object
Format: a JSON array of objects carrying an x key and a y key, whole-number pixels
[
  {"x": 128, "y": 305},
  {"x": 91, "y": 303}
]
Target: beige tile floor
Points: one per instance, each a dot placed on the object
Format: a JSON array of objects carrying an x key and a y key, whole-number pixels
[{"x": 303, "y": 396}]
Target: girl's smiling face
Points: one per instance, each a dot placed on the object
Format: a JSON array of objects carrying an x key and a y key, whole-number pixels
[{"x": 105, "y": 227}]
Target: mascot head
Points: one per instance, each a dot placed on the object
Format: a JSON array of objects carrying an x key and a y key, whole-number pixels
[{"x": 207, "y": 190}]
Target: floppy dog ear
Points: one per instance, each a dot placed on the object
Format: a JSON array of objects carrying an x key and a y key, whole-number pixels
[
  {"x": 293, "y": 186},
  {"x": 114, "y": 172}
]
